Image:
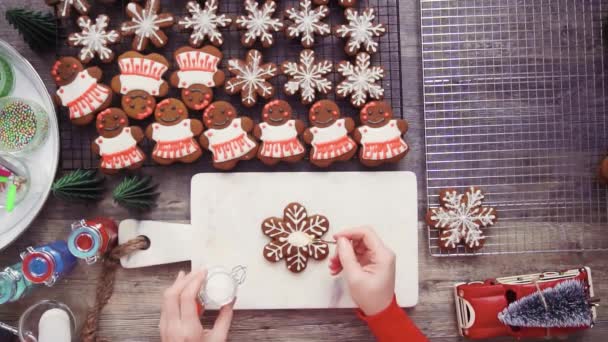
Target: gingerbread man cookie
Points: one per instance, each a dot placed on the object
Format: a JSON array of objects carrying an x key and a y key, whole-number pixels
[
  {"x": 258, "y": 23},
  {"x": 380, "y": 135},
  {"x": 140, "y": 81},
  {"x": 117, "y": 143},
  {"x": 329, "y": 134},
  {"x": 278, "y": 134},
  {"x": 174, "y": 134},
  {"x": 146, "y": 24},
  {"x": 227, "y": 136},
  {"x": 198, "y": 73},
  {"x": 79, "y": 90},
  {"x": 296, "y": 237},
  {"x": 460, "y": 219},
  {"x": 94, "y": 39}
]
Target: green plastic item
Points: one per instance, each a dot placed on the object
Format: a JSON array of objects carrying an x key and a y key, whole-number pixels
[
  {"x": 11, "y": 196},
  {"x": 7, "y": 77},
  {"x": 3, "y": 179}
]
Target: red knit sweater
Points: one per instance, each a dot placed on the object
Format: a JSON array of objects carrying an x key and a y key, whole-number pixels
[{"x": 393, "y": 325}]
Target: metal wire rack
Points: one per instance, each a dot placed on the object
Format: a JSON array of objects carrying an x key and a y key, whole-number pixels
[
  {"x": 75, "y": 141},
  {"x": 515, "y": 102}
]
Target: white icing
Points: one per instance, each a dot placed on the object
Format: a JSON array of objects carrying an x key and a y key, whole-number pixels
[
  {"x": 250, "y": 78},
  {"x": 330, "y": 133},
  {"x": 286, "y": 131},
  {"x": 463, "y": 216},
  {"x": 381, "y": 142},
  {"x": 94, "y": 38},
  {"x": 205, "y": 22},
  {"x": 360, "y": 80},
  {"x": 80, "y": 5},
  {"x": 145, "y": 22},
  {"x": 229, "y": 143},
  {"x": 83, "y": 95},
  {"x": 307, "y": 77},
  {"x": 119, "y": 152},
  {"x": 307, "y": 22},
  {"x": 177, "y": 132},
  {"x": 196, "y": 67},
  {"x": 135, "y": 82},
  {"x": 220, "y": 288},
  {"x": 259, "y": 22},
  {"x": 360, "y": 30},
  {"x": 189, "y": 78},
  {"x": 299, "y": 239},
  {"x": 120, "y": 143}
]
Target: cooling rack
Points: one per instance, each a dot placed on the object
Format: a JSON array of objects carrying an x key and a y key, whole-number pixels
[
  {"x": 75, "y": 141},
  {"x": 515, "y": 102}
]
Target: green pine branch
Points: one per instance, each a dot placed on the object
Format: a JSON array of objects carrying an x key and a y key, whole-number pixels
[
  {"x": 39, "y": 29},
  {"x": 136, "y": 193},
  {"x": 79, "y": 185}
]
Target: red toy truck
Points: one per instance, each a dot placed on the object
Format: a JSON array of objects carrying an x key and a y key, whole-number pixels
[{"x": 478, "y": 303}]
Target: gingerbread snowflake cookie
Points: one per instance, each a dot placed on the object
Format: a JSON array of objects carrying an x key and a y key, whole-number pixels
[
  {"x": 296, "y": 237},
  {"x": 94, "y": 39},
  {"x": 79, "y": 90},
  {"x": 307, "y": 22},
  {"x": 63, "y": 8},
  {"x": 343, "y": 3},
  {"x": 380, "y": 135},
  {"x": 328, "y": 134},
  {"x": 146, "y": 24},
  {"x": 279, "y": 134},
  {"x": 117, "y": 142},
  {"x": 360, "y": 80},
  {"x": 174, "y": 134},
  {"x": 307, "y": 77},
  {"x": 204, "y": 23},
  {"x": 140, "y": 81},
  {"x": 360, "y": 31},
  {"x": 460, "y": 219},
  {"x": 227, "y": 136},
  {"x": 251, "y": 78},
  {"x": 259, "y": 23}
]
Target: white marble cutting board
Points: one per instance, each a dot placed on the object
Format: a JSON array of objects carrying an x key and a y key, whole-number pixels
[{"x": 228, "y": 208}]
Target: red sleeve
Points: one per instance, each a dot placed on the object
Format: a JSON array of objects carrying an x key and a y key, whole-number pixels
[{"x": 393, "y": 325}]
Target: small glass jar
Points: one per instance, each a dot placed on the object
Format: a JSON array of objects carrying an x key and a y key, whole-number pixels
[
  {"x": 47, "y": 320},
  {"x": 24, "y": 125},
  {"x": 20, "y": 183},
  {"x": 221, "y": 285}
]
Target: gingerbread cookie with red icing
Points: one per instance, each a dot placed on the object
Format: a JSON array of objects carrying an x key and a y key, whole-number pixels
[
  {"x": 380, "y": 135},
  {"x": 79, "y": 90},
  {"x": 174, "y": 134},
  {"x": 278, "y": 134},
  {"x": 140, "y": 82},
  {"x": 329, "y": 134},
  {"x": 198, "y": 73},
  {"x": 227, "y": 136},
  {"x": 117, "y": 143}
]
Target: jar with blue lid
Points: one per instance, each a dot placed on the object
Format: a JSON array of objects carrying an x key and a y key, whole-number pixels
[{"x": 48, "y": 263}]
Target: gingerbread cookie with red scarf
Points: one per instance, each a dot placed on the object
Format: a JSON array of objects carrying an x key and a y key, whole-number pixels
[
  {"x": 117, "y": 143},
  {"x": 79, "y": 90},
  {"x": 380, "y": 135},
  {"x": 329, "y": 134},
  {"x": 198, "y": 73},
  {"x": 140, "y": 82},
  {"x": 278, "y": 134},
  {"x": 227, "y": 136},
  {"x": 174, "y": 134}
]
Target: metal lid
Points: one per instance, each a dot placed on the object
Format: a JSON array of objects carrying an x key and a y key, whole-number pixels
[
  {"x": 38, "y": 266},
  {"x": 85, "y": 243}
]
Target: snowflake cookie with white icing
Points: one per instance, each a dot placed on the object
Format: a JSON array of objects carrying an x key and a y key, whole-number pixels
[
  {"x": 258, "y": 23},
  {"x": 204, "y": 23},
  {"x": 307, "y": 22},
  {"x": 146, "y": 24},
  {"x": 360, "y": 80},
  {"x": 94, "y": 39},
  {"x": 460, "y": 219},
  {"x": 296, "y": 237},
  {"x": 251, "y": 78},
  {"x": 360, "y": 31},
  {"x": 63, "y": 8},
  {"x": 343, "y": 3},
  {"x": 307, "y": 77}
]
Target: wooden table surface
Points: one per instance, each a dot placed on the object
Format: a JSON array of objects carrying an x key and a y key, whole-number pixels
[{"x": 133, "y": 312}]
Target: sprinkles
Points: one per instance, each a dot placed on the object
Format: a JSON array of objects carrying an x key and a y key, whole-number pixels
[{"x": 17, "y": 125}]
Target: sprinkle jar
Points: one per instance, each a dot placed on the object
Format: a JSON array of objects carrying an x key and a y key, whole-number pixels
[
  {"x": 24, "y": 125},
  {"x": 221, "y": 285}
]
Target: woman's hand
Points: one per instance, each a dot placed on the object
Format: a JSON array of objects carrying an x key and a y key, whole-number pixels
[
  {"x": 369, "y": 268},
  {"x": 179, "y": 318}
]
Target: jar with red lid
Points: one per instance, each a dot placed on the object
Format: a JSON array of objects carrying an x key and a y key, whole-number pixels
[{"x": 92, "y": 238}]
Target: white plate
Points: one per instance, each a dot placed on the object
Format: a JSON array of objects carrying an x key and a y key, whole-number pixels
[{"x": 42, "y": 163}]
